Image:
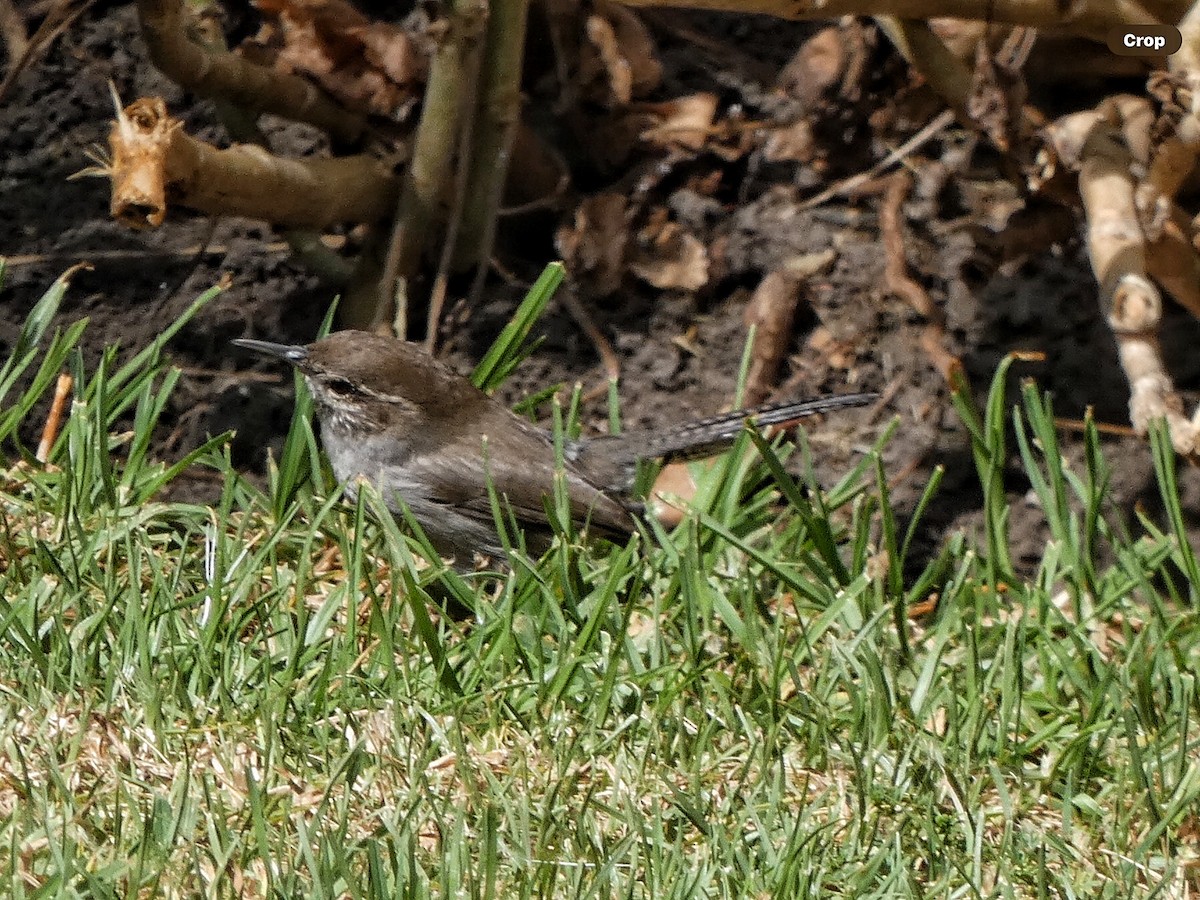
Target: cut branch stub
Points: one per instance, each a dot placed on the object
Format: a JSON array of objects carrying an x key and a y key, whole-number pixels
[
  {"x": 139, "y": 139},
  {"x": 1132, "y": 304},
  {"x": 155, "y": 163}
]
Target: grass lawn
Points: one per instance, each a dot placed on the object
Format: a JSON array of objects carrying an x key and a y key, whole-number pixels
[{"x": 261, "y": 700}]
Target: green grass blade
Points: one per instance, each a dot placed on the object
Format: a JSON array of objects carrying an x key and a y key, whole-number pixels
[{"x": 513, "y": 345}]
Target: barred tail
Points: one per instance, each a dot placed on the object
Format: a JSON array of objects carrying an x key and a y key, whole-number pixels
[
  {"x": 610, "y": 461},
  {"x": 703, "y": 436}
]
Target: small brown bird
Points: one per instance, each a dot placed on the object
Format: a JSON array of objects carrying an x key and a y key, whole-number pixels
[{"x": 419, "y": 431}]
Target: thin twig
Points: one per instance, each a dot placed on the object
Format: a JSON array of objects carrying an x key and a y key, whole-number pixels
[
  {"x": 549, "y": 201},
  {"x": 848, "y": 185},
  {"x": 1101, "y": 427},
  {"x": 900, "y": 283},
  {"x": 57, "y": 21},
  {"x": 332, "y": 242},
  {"x": 609, "y": 358}
]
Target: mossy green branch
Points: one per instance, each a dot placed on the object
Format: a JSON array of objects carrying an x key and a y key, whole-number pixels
[
  {"x": 497, "y": 113},
  {"x": 428, "y": 177}
]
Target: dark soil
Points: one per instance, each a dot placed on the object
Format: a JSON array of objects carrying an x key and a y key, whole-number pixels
[{"x": 680, "y": 352}]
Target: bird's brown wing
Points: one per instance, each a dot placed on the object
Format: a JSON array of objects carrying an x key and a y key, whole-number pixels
[{"x": 521, "y": 467}]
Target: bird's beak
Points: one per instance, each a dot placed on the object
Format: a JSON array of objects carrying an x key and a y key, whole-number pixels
[{"x": 291, "y": 353}]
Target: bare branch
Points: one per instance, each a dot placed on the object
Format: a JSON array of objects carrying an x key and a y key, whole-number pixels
[
  {"x": 256, "y": 88},
  {"x": 1105, "y": 144}
]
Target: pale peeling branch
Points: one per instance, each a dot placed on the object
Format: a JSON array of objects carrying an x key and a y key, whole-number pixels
[
  {"x": 1107, "y": 146},
  {"x": 155, "y": 163}
]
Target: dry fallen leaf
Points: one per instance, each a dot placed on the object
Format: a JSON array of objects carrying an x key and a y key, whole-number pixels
[
  {"x": 603, "y": 38},
  {"x": 390, "y": 50},
  {"x": 376, "y": 67},
  {"x": 595, "y": 242},
  {"x": 836, "y": 354},
  {"x": 772, "y": 313},
  {"x": 683, "y": 122},
  {"x": 619, "y": 60},
  {"x": 817, "y": 66},
  {"x": 791, "y": 143},
  {"x": 833, "y": 62},
  {"x": 673, "y": 490},
  {"x": 681, "y": 125},
  {"x": 667, "y": 256}
]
